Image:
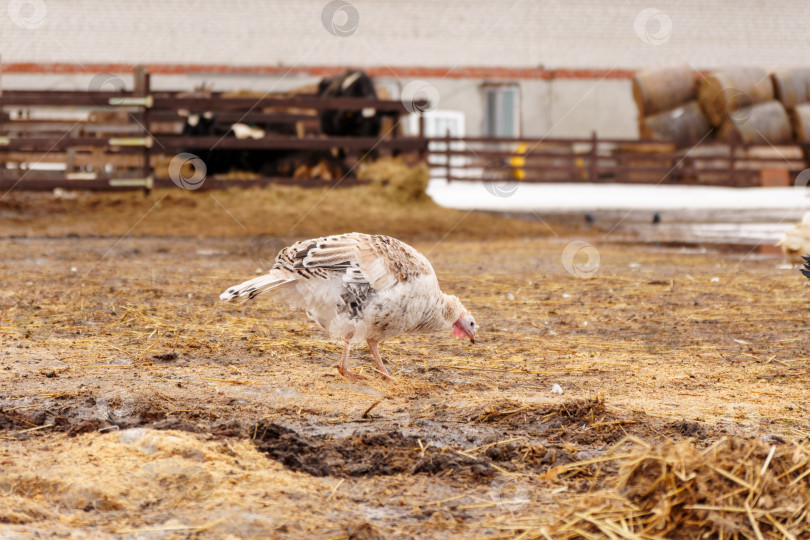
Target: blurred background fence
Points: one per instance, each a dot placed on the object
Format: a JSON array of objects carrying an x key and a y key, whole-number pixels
[{"x": 141, "y": 139}]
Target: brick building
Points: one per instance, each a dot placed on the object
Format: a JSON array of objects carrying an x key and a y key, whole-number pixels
[{"x": 532, "y": 68}]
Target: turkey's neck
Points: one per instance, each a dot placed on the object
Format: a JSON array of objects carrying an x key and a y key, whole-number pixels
[{"x": 440, "y": 317}]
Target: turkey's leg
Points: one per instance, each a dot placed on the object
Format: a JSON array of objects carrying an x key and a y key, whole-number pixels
[
  {"x": 374, "y": 352},
  {"x": 343, "y": 367}
]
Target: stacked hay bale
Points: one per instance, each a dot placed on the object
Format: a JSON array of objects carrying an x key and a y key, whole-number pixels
[
  {"x": 667, "y": 111},
  {"x": 667, "y": 106},
  {"x": 792, "y": 89},
  {"x": 740, "y": 103},
  {"x": 747, "y": 105}
]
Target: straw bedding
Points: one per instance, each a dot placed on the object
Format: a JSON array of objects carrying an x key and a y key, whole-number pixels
[{"x": 736, "y": 488}]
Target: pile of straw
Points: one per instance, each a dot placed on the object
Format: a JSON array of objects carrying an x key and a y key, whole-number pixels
[
  {"x": 400, "y": 181},
  {"x": 734, "y": 489}
]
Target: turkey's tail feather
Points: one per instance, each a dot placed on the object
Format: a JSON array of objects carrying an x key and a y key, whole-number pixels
[
  {"x": 806, "y": 268},
  {"x": 256, "y": 286}
]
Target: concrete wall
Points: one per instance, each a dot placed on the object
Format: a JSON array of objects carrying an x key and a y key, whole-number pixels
[
  {"x": 557, "y": 108},
  {"x": 577, "y": 107}
]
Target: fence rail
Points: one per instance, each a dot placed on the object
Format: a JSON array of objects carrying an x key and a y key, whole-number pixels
[
  {"x": 599, "y": 160},
  {"x": 124, "y": 139}
]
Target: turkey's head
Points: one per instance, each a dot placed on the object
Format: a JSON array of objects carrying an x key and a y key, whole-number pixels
[
  {"x": 465, "y": 326},
  {"x": 454, "y": 313}
]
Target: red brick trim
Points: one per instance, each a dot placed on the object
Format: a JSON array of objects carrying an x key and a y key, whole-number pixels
[{"x": 320, "y": 71}]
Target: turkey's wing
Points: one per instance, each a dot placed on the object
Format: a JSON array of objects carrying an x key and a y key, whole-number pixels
[{"x": 380, "y": 261}]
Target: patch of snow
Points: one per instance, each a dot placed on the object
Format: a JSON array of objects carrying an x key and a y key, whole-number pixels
[{"x": 584, "y": 196}]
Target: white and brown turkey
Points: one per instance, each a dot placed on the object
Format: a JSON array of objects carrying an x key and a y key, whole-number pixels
[{"x": 360, "y": 287}]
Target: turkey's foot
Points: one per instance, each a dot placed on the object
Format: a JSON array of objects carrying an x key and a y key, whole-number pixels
[{"x": 348, "y": 374}]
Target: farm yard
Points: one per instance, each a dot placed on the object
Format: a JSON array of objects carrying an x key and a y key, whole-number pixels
[
  {"x": 603, "y": 206},
  {"x": 134, "y": 404}
]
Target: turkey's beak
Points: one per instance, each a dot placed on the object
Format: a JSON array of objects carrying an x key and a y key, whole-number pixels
[{"x": 461, "y": 329}]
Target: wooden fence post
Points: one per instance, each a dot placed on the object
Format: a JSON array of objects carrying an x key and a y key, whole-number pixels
[
  {"x": 447, "y": 150},
  {"x": 732, "y": 149},
  {"x": 142, "y": 83},
  {"x": 423, "y": 154}
]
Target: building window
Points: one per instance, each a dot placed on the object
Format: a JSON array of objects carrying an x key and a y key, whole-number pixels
[{"x": 502, "y": 113}]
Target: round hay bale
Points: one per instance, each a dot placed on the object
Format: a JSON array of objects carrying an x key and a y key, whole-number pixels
[
  {"x": 792, "y": 86},
  {"x": 684, "y": 123},
  {"x": 800, "y": 119},
  {"x": 724, "y": 93},
  {"x": 763, "y": 123},
  {"x": 657, "y": 90}
]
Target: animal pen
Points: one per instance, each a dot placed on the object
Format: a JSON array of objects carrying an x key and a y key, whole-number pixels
[
  {"x": 124, "y": 139},
  {"x": 113, "y": 140}
]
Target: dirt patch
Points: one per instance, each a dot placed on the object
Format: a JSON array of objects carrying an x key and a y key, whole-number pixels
[
  {"x": 369, "y": 454},
  {"x": 586, "y": 422},
  {"x": 14, "y": 420},
  {"x": 81, "y": 416}
]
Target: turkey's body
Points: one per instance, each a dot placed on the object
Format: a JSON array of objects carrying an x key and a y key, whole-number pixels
[
  {"x": 796, "y": 242},
  {"x": 357, "y": 287},
  {"x": 379, "y": 315}
]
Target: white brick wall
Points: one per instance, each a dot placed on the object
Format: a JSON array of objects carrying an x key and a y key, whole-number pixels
[
  {"x": 554, "y": 34},
  {"x": 562, "y": 34}
]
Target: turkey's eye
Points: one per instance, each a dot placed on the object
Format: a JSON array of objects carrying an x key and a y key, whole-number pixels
[{"x": 472, "y": 325}]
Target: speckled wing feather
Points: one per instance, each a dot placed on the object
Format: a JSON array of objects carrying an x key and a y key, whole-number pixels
[{"x": 380, "y": 261}]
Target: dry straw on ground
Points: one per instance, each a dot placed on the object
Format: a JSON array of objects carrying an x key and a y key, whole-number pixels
[
  {"x": 736, "y": 488},
  {"x": 401, "y": 182},
  {"x": 98, "y": 331}
]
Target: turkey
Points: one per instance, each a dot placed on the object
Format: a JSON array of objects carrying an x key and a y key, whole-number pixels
[
  {"x": 796, "y": 241},
  {"x": 360, "y": 287}
]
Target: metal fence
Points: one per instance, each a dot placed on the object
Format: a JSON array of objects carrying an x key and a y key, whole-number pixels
[
  {"x": 122, "y": 140},
  {"x": 600, "y": 160},
  {"x": 108, "y": 140}
]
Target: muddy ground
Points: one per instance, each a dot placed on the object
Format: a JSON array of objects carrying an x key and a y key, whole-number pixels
[{"x": 134, "y": 405}]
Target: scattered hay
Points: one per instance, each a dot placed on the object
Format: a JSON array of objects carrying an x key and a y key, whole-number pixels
[
  {"x": 400, "y": 181},
  {"x": 583, "y": 421},
  {"x": 669, "y": 351},
  {"x": 297, "y": 213},
  {"x": 107, "y": 480},
  {"x": 364, "y": 531},
  {"x": 574, "y": 410},
  {"x": 17, "y": 509},
  {"x": 736, "y": 488}
]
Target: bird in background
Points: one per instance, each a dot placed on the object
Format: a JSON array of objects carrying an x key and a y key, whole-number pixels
[
  {"x": 796, "y": 242},
  {"x": 360, "y": 287}
]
